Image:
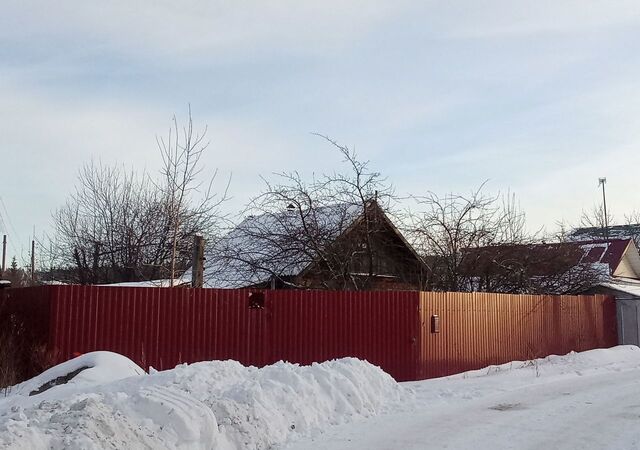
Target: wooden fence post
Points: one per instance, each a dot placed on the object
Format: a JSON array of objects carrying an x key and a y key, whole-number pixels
[{"x": 197, "y": 264}]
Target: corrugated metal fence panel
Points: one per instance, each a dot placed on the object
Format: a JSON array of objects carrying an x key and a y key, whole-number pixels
[
  {"x": 313, "y": 326},
  {"x": 158, "y": 327},
  {"x": 479, "y": 329},
  {"x": 162, "y": 327}
]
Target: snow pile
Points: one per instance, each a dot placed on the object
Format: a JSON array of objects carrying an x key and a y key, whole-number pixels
[
  {"x": 90, "y": 369},
  {"x": 218, "y": 404},
  {"x": 480, "y": 383},
  {"x": 255, "y": 408}
]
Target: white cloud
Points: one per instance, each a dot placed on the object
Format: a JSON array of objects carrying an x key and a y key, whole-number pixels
[
  {"x": 438, "y": 95},
  {"x": 518, "y": 18},
  {"x": 196, "y": 29}
]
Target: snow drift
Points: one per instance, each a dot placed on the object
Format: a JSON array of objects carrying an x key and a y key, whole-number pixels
[
  {"x": 586, "y": 400},
  {"x": 86, "y": 370},
  {"x": 218, "y": 404}
]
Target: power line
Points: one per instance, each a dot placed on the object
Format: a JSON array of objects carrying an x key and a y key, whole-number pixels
[
  {"x": 3, "y": 227},
  {"x": 16, "y": 235}
]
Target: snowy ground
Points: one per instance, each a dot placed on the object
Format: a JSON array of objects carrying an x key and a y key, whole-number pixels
[{"x": 586, "y": 400}]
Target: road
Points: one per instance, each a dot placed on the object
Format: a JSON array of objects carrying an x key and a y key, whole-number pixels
[{"x": 597, "y": 408}]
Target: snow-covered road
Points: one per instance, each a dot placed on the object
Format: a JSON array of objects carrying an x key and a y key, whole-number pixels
[{"x": 579, "y": 405}]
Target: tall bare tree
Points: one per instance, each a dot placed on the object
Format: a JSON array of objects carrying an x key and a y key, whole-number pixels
[
  {"x": 445, "y": 228},
  {"x": 595, "y": 217},
  {"x": 109, "y": 228},
  {"x": 191, "y": 206},
  {"x": 480, "y": 242},
  {"x": 332, "y": 223},
  {"x": 120, "y": 225}
]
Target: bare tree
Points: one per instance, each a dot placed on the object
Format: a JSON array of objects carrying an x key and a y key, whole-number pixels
[
  {"x": 592, "y": 226},
  {"x": 181, "y": 154},
  {"x": 632, "y": 226},
  {"x": 120, "y": 225},
  {"x": 595, "y": 218},
  {"x": 331, "y": 226},
  {"x": 108, "y": 229},
  {"x": 447, "y": 227},
  {"x": 480, "y": 243}
]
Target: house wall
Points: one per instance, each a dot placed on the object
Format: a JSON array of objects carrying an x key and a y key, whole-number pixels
[
  {"x": 629, "y": 266},
  {"x": 625, "y": 268},
  {"x": 394, "y": 266},
  {"x": 627, "y": 314}
]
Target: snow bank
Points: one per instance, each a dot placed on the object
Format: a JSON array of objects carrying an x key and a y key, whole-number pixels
[
  {"x": 484, "y": 382},
  {"x": 219, "y": 404},
  {"x": 601, "y": 359},
  {"x": 89, "y": 369}
]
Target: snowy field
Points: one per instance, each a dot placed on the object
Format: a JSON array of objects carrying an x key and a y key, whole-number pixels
[{"x": 581, "y": 400}]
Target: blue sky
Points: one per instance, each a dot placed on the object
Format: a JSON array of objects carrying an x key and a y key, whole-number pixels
[{"x": 539, "y": 97}]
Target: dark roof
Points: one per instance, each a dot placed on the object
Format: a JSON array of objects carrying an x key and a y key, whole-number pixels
[
  {"x": 546, "y": 258},
  {"x": 627, "y": 286},
  {"x": 614, "y": 251},
  {"x": 631, "y": 231},
  {"x": 264, "y": 245}
]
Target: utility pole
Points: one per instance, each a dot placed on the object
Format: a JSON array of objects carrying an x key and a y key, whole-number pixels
[
  {"x": 602, "y": 182},
  {"x": 33, "y": 262},
  {"x": 4, "y": 254},
  {"x": 197, "y": 262}
]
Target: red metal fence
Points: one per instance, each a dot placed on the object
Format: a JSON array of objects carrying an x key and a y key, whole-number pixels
[
  {"x": 480, "y": 329},
  {"x": 163, "y": 327}
]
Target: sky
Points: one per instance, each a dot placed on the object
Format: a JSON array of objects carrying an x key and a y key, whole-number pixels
[{"x": 540, "y": 98}]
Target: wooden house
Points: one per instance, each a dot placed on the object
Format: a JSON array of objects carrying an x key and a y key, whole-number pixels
[{"x": 338, "y": 247}]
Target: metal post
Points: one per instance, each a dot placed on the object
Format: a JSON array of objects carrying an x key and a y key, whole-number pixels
[
  {"x": 197, "y": 263},
  {"x": 4, "y": 254},
  {"x": 33, "y": 262},
  {"x": 603, "y": 181}
]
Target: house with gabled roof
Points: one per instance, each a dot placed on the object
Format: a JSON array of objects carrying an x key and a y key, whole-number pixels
[
  {"x": 599, "y": 266},
  {"x": 337, "y": 246},
  {"x": 554, "y": 268},
  {"x": 620, "y": 255},
  {"x": 624, "y": 286}
]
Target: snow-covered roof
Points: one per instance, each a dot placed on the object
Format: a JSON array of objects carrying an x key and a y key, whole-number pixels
[
  {"x": 53, "y": 283},
  {"x": 627, "y": 285},
  {"x": 608, "y": 252},
  {"x": 548, "y": 258},
  {"x": 181, "y": 281},
  {"x": 282, "y": 243},
  {"x": 630, "y": 231}
]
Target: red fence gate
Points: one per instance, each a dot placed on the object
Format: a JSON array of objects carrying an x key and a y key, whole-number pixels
[{"x": 163, "y": 327}]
